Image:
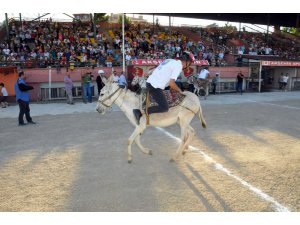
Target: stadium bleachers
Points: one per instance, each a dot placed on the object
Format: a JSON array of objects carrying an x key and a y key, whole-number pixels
[{"x": 44, "y": 43}]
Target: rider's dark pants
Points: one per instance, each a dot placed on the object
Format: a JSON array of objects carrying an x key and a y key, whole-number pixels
[{"x": 159, "y": 97}]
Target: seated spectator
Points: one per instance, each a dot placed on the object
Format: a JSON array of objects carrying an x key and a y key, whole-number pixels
[{"x": 109, "y": 60}]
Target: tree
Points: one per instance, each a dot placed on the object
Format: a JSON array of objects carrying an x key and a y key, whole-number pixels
[
  {"x": 127, "y": 20},
  {"x": 101, "y": 17},
  {"x": 292, "y": 30},
  {"x": 212, "y": 25}
]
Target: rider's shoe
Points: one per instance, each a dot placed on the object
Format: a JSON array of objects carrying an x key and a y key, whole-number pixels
[{"x": 137, "y": 114}]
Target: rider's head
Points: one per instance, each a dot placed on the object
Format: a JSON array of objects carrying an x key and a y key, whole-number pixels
[
  {"x": 100, "y": 72},
  {"x": 188, "y": 57}
]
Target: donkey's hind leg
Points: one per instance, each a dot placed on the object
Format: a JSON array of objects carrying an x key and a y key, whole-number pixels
[
  {"x": 184, "y": 120},
  {"x": 181, "y": 146},
  {"x": 190, "y": 134}
]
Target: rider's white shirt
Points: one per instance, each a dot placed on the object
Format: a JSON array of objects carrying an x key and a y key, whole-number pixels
[
  {"x": 167, "y": 70},
  {"x": 203, "y": 74}
]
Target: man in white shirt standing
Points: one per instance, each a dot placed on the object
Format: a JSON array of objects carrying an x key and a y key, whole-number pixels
[
  {"x": 203, "y": 79},
  {"x": 3, "y": 96},
  {"x": 203, "y": 74},
  {"x": 284, "y": 81},
  {"x": 164, "y": 75}
]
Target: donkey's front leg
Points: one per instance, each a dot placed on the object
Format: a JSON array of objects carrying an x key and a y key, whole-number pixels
[
  {"x": 136, "y": 132},
  {"x": 142, "y": 148}
]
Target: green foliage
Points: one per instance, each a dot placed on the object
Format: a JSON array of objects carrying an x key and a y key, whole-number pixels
[
  {"x": 126, "y": 20},
  {"x": 212, "y": 25},
  {"x": 292, "y": 30},
  {"x": 228, "y": 25},
  {"x": 101, "y": 17}
]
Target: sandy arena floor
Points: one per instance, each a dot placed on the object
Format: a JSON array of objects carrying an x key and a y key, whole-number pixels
[{"x": 74, "y": 159}]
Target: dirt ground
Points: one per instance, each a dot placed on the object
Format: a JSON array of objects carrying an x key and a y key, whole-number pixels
[{"x": 247, "y": 160}]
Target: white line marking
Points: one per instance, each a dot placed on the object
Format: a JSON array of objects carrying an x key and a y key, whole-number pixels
[
  {"x": 284, "y": 106},
  {"x": 278, "y": 207}
]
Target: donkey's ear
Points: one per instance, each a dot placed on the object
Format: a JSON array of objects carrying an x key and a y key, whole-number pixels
[
  {"x": 104, "y": 79},
  {"x": 111, "y": 78}
]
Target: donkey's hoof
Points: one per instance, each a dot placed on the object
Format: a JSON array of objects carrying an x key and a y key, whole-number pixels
[
  {"x": 129, "y": 161},
  {"x": 171, "y": 160},
  {"x": 150, "y": 152}
]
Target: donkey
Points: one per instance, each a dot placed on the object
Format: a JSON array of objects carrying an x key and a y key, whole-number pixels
[{"x": 183, "y": 114}]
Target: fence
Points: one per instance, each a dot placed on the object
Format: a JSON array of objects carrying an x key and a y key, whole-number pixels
[{"x": 58, "y": 93}]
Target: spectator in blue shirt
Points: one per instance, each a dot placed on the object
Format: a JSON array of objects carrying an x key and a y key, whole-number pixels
[
  {"x": 22, "y": 97},
  {"x": 122, "y": 80}
]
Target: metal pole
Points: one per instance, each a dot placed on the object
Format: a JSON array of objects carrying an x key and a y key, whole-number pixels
[
  {"x": 292, "y": 84},
  {"x": 21, "y": 20},
  {"x": 38, "y": 18},
  {"x": 268, "y": 29},
  {"x": 123, "y": 40},
  {"x": 259, "y": 76},
  {"x": 170, "y": 25},
  {"x": 153, "y": 24},
  {"x": 7, "y": 27},
  {"x": 219, "y": 82},
  {"x": 94, "y": 24},
  {"x": 50, "y": 82}
]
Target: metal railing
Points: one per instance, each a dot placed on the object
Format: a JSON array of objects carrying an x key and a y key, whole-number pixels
[{"x": 54, "y": 64}]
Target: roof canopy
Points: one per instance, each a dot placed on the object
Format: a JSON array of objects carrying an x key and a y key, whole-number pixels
[{"x": 279, "y": 19}]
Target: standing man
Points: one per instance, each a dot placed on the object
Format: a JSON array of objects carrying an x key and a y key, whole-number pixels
[
  {"x": 164, "y": 75},
  {"x": 239, "y": 85},
  {"x": 68, "y": 88},
  {"x": 22, "y": 97},
  {"x": 116, "y": 77},
  {"x": 122, "y": 80},
  {"x": 85, "y": 79},
  {"x": 284, "y": 81},
  {"x": 214, "y": 82},
  {"x": 91, "y": 87},
  {"x": 280, "y": 81},
  {"x": 3, "y": 96},
  {"x": 203, "y": 78}
]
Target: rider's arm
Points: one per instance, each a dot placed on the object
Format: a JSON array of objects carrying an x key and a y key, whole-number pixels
[{"x": 174, "y": 86}]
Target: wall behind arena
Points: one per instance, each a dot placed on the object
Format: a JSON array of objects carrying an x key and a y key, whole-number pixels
[
  {"x": 38, "y": 76},
  {"x": 8, "y": 77}
]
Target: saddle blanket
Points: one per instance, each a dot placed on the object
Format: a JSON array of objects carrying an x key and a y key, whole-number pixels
[{"x": 174, "y": 98}]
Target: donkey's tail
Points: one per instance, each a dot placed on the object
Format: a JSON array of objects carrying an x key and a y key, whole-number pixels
[{"x": 201, "y": 117}]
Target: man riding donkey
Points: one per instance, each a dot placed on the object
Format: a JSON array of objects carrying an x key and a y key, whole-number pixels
[{"x": 164, "y": 75}]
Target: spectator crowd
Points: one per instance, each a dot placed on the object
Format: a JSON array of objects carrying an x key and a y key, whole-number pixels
[{"x": 44, "y": 43}]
